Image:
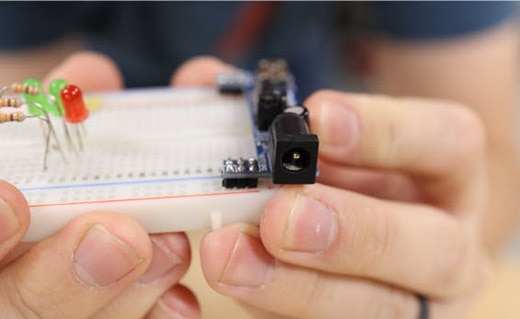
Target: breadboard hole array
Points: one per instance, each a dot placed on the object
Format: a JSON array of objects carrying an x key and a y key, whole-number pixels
[{"x": 137, "y": 144}]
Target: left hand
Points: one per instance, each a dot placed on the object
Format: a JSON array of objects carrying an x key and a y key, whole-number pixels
[
  {"x": 396, "y": 214},
  {"x": 101, "y": 264}
]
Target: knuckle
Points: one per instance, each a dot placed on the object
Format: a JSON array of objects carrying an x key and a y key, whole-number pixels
[
  {"x": 394, "y": 304},
  {"x": 468, "y": 129},
  {"x": 452, "y": 267},
  {"x": 464, "y": 270},
  {"x": 368, "y": 239},
  {"x": 393, "y": 144},
  {"x": 309, "y": 297},
  {"x": 18, "y": 298}
]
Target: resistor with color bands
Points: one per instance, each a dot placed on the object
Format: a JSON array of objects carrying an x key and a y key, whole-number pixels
[
  {"x": 25, "y": 88},
  {"x": 34, "y": 99},
  {"x": 12, "y": 117},
  {"x": 10, "y": 102}
]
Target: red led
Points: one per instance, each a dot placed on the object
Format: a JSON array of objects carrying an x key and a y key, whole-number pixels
[{"x": 73, "y": 104}]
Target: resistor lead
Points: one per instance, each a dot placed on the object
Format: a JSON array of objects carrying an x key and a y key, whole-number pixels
[
  {"x": 10, "y": 102},
  {"x": 44, "y": 118},
  {"x": 12, "y": 117},
  {"x": 33, "y": 93},
  {"x": 55, "y": 88}
]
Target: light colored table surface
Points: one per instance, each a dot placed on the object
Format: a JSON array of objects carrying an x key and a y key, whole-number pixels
[{"x": 501, "y": 300}]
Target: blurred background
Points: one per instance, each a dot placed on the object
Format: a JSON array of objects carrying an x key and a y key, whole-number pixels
[{"x": 399, "y": 48}]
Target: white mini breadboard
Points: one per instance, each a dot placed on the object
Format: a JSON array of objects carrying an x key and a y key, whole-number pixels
[{"x": 153, "y": 154}]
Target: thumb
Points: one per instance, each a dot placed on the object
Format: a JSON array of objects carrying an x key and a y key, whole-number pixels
[
  {"x": 199, "y": 71},
  {"x": 89, "y": 70}
]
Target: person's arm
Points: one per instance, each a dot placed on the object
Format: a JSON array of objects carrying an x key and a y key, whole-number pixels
[{"x": 479, "y": 70}]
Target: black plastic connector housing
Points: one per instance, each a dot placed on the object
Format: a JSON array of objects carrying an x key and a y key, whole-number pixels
[
  {"x": 240, "y": 182},
  {"x": 272, "y": 100},
  {"x": 293, "y": 150}
]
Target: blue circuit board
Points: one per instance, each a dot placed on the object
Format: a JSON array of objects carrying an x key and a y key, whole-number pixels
[{"x": 271, "y": 92}]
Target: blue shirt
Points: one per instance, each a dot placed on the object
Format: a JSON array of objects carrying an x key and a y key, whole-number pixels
[{"x": 148, "y": 40}]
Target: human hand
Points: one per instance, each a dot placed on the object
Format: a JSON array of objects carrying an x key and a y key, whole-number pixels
[
  {"x": 396, "y": 215},
  {"x": 102, "y": 264}
]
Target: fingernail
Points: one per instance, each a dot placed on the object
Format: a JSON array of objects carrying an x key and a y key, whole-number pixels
[
  {"x": 338, "y": 124},
  {"x": 9, "y": 222},
  {"x": 311, "y": 226},
  {"x": 164, "y": 260},
  {"x": 250, "y": 265},
  {"x": 101, "y": 259}
]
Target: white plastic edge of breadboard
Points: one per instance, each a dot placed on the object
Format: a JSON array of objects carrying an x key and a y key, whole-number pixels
[
  {"x": 178, "y": 213},
  {"x": 159, "y": 214}
]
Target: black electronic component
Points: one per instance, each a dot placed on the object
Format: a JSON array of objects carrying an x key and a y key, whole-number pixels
[
  {"x": 293, "y": 150},
  {"x": 286, "y": 151},
  {"x": 240, "y": 182},
  {"x": 242, "y": 173},
  {"x": 272, "y": 100},
  {"x": 300, "y": 110},
  {"x": 274, "y": 83},
  {"x": 234, "y": 83}
]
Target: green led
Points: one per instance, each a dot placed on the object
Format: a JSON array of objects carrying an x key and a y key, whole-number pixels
[
  {"x": 55, "y": 88},
  {"x": 39, "y": 98}
]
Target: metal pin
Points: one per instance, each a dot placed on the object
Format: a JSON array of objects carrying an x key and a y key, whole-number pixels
[
  {"x": 50, "y": 131},
  {"x": 68, "y": 137}
]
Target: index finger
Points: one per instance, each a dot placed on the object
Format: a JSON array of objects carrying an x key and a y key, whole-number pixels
[{"x": 438, "y": 143}]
